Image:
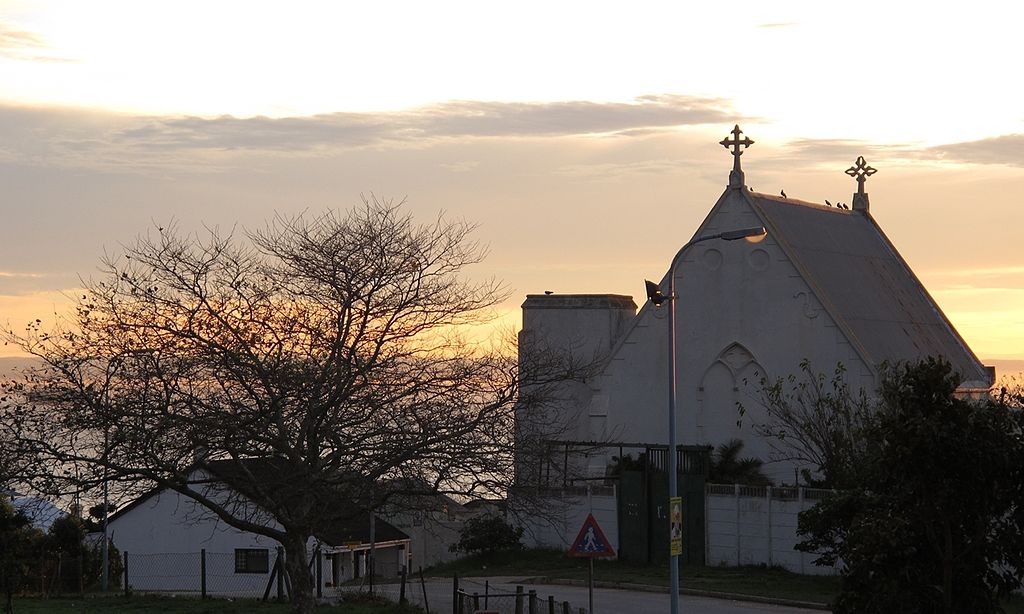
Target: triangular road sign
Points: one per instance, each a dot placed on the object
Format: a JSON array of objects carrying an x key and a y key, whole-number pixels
[{"x": 591, "y": 541}]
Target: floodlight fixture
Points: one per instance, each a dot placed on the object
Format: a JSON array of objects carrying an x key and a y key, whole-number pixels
[
  {"x": 753, "y": 234},
  {"x": 654, "y": 293}
]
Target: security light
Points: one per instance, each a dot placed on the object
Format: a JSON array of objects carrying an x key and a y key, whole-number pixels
[{"x": 654, "y": 293}]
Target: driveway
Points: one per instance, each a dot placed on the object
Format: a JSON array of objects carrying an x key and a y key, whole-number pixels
[{"x": 606, "y": 600}]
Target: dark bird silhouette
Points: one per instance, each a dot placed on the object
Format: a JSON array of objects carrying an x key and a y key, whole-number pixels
[
  {"x": 548, "y": 292},
  {"x": 828, "y": 203},
  {"x": 784, "y": 194}
]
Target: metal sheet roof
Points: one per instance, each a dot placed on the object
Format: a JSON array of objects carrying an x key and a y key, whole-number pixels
[{"x": 865, "y": 284}]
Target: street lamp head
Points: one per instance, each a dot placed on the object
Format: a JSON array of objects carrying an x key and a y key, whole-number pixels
[
  {"x": 654, "y": 293},
  {"x": 753, "y": 235}
]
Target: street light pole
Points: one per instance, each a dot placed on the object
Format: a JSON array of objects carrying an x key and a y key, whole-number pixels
[{"x": 657, "y": 298}]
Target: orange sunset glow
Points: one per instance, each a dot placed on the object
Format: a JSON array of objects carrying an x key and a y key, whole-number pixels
[{"x": 582, "y": 137}]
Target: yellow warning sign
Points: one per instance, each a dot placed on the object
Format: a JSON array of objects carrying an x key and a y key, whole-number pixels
[{"x": 675, "y": 536}]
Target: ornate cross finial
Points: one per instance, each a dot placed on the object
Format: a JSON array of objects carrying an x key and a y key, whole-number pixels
[
  {"x": 736, "y": 176},
  {"x": 861, "y": 171}
]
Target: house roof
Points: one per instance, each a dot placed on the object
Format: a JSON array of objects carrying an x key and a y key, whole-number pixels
[
  {"x": 344, "y": 523},
  {"x": 865, "y": 285}
]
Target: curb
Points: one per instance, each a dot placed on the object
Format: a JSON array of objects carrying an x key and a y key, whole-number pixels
[{"x": 695, "y": 592}]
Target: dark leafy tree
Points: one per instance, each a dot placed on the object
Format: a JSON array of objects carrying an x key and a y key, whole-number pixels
[
  {"x": 933, "y": 517},
  {"x": 19, "y": 542},
  {"x": 332, "y": 345},
  {"x": 728, "y": 467},
  {"x": 487, "y": 535}
]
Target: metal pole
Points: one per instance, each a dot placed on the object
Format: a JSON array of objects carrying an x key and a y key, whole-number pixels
[
  {"x": 590, "y": 583},
  {"x": 673, "y": 485}
]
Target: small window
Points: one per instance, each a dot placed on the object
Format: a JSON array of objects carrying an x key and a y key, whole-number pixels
[{"x": 252, "y": 560}]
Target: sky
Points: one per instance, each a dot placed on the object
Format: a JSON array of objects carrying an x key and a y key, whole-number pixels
[{"x": 582, "y": 137}]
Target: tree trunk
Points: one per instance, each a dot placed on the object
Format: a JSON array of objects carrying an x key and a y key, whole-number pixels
[{"x": 297, "y": 567}]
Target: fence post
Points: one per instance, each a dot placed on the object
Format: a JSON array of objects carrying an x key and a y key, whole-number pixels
[
  {"x": 476, "y": 600},
  {"x": 736, "y": 490},
  {"x": 202, "y": 573},
  {"x": 280, "y": 573},
  {"x": 768, "y": 497},
  {"x": 519, "y": 600},
  {"x": 565, "y": 604},
  {"x": 401, "y": 589},
  {"x": 423, "y": 586},
  {"x": 551, "y": 604},
  {"x": 455, "y": 594},
  {"x": 127, "y": 589},
  {"x": 533, "y": 602},
  {"x": 487, "y": 593}
]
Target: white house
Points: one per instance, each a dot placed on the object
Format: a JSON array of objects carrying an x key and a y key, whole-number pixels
[{"x": 171, "y": 540}]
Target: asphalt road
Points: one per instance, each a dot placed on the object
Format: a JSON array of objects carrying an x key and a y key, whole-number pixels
[{"x": 606, "y": 600}]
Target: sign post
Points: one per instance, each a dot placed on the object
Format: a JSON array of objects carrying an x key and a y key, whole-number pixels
[
  {"x": 675, "y": 506},
  {"x": 591, "y": 543}
]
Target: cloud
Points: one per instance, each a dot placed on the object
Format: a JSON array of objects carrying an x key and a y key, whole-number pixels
[
  {"x": 18, "y": 44},
  {"x": 827, "y": 150},
  {"x": 1007, "y": 149},
  {"x": 20, "y": 284},
  {"x": 456, "y": 119}
]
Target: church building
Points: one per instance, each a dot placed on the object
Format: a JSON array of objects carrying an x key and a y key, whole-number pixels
[{"x": 822, "y": 284}]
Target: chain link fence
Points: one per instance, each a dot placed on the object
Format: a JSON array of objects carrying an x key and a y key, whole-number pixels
[{"x": 241, "y": 574}]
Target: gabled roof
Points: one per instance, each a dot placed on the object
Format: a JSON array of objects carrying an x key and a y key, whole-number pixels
[{"x": 865, "y": 285}]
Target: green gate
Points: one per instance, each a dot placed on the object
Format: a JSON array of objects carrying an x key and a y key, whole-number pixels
[{"x": 643, "y": 506}]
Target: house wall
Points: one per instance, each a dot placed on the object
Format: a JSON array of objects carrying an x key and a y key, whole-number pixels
[
  {"x": 430, "y": 539},
  {"x": 165, "y": 535}
]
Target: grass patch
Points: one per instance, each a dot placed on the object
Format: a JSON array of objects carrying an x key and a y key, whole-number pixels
[{"x": 361, "y": 604}]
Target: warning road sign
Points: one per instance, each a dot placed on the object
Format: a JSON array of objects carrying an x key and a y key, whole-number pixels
[{"x": 591, "y": 541}]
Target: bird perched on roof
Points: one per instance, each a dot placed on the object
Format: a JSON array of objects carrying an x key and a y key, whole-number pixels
[
  {"x": 784, "y": 194},
  {"x": 828, "y": 203}
]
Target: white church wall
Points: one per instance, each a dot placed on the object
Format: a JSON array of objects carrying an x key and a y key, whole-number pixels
[
  {"x": 757, "y": 526},
  {"x": 744, "y": 313}
]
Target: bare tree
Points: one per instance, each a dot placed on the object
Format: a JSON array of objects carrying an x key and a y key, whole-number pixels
[
  {"x": 307, "y": 363},
  {"x": 814, "y": 421}
]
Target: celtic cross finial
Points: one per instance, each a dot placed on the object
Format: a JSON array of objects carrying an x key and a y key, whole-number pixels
[
  {"x": 861, "y": 171},
  {"x": 737, "y": 146}
]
